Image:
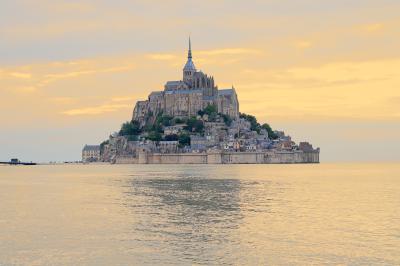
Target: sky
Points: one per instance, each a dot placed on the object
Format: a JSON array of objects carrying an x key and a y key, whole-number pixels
[{"x": 327, "y": 72}]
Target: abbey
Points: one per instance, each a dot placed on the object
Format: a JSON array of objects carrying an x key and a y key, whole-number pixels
[
  {"x": 184, "y": 98},
  {"x": 192, "y": 121}
]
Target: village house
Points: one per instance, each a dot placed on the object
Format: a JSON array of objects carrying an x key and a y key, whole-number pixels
[{"x": 91, "y": 153}]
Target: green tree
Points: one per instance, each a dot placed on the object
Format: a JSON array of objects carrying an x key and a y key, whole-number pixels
[
  {"x": 133, "y": 137},
  {"x": 178, "y": 121},
  {"x": 164, "y": 120},
  {"x": 154, "y": 136},
  {"x": 157, "y": 128},
  {"x": 130, "y": 128},
  {"x": 212, "y": 117},
  {"x": 254, "y": 125},
  {"x": 211, "y": 108},
  {"x": 227, "y": 119},
  {"x": 171, "y": 137},
  {"x": 194, "y": 125},
  {"x": 184, "y": 140},
  {"x": 271, "y": 133}
]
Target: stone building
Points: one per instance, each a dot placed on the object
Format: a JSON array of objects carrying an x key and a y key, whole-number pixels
[
  {"x": 91, "y": 153},
  {"x": 183, "y": 98},
  {"x": 171, "y": 130},
  {"x": 168, "y": 146}
]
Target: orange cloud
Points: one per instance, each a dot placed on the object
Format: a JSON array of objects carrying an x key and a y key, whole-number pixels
[
  {"x": 303, "y": 44},
  {"x": 228, "y": 51},
  {"x": 54, "y": 77},
  {"x": 96, "y": 110},
  {"x": 162, "y": 56},
  {"x": 14, "y": 74},
  {"x": 63, "y": 100},
  {"x": 124, "y": 99},
  {"x": 374, "y": 27},
  {"x": 339, "y": 90},
  {"x": 25, "y": 89}
]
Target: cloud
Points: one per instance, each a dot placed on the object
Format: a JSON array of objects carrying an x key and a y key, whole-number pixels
[
  {"x": 338, "y": 90},
  {"x": 395, "y": 100},
  {"x": 25, "y": 89},
  {"x": 67, "y": 7},
  {"x": 370, "y": 134},
  {"x": 200, "y": 53},
  {"x": 21, "y": 75},
  {"x": 123, "y": 99},
  {"x": 54, "y": 77},
  {"x": 162, "y": 56},
  {"x": 373, "y": 27},
  {"x": 13, "y": 74},
  {"x": 303, "y": 44},
  {"x": 96, "y": 110},
  {"x": 63, "y": 100},
  {"x": 229, "y": 51}
]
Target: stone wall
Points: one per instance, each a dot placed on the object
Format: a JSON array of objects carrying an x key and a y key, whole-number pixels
[
  {"x": 177, "y": 158},
  {"x": 272, "y": 157},
  {"x": 243, "y": 158},
  {"x": 183, "y": 104},
  {"x": 126, "y": 160}
]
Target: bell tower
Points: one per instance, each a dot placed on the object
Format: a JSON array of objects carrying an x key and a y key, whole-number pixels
[{"x": 189, "y": 69}]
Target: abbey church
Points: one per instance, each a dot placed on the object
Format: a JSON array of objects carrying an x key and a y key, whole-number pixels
[
  {"x": 169, "y": 128},
  {"x": 184, "y": 98}
]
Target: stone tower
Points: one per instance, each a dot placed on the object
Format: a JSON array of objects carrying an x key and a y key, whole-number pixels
[{"x": 189, "y": 69}]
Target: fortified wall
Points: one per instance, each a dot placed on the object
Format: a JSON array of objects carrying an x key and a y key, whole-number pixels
[{"x": 273, "y": 157}]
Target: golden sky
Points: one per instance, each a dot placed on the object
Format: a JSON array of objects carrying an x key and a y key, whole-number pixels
[{"x": 326, "y": 72}]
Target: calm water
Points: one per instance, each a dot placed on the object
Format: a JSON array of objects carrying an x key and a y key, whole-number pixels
[{"x": 186, "y": 214}]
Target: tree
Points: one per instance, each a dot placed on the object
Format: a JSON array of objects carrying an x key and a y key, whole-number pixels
[
  {"x": 171, "y": 137},
  {"x": 164, "y": 120},
  {"x": 158, "y": 128},
  {"x": 211, "y": 108},
  {"x": 212, "y": 117},
  {"x": 194, "y": 125},
  {"x": 178, "y": 121},
  {"x": 254, "y": 125},
  {"x": 271, "y": 133},
  {"x": 133, "y": 137},
  {"x": 184, "y": 140},
  {"x": 154, "y": 136},
  {"x": 130, "y": 128},
  {"x": 227, "y": 119}
]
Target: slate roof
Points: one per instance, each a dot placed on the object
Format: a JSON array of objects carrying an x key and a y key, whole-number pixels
[
  {"x": 91, "y": 148},
  {"x": 225, "y": 92},
  {"x": 183, "y": 91}
]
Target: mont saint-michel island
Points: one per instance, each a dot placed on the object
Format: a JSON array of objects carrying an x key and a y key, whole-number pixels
[{"x": 192, "y": 121}]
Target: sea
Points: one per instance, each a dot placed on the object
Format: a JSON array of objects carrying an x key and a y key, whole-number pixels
[{"x": 300, "y": 214}]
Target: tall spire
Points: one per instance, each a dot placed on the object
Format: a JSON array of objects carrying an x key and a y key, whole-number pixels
[
  {"x": 190, "y": 50},
  {"x": 189, "y": 66}
]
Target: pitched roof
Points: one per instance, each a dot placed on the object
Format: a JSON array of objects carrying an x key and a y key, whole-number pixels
[
  {"x": 91, "y": 148},
  {"x": 183, "y": 91},
  {"x": 226, "y": 92}
]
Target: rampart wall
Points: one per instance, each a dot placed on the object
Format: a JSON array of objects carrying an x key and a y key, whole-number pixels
[{"x": 270, "y": 157}]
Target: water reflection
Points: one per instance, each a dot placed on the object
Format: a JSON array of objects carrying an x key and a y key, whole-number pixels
[
  {"x": 192, "y": 215},
  {"x": 184, "y": 215}
]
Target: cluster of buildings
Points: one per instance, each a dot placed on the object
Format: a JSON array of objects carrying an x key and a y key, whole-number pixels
[
  {"x": 217, "y": 137},
  {"x": 226, "y": 138},
  {"x": 184, "y": 98}
]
